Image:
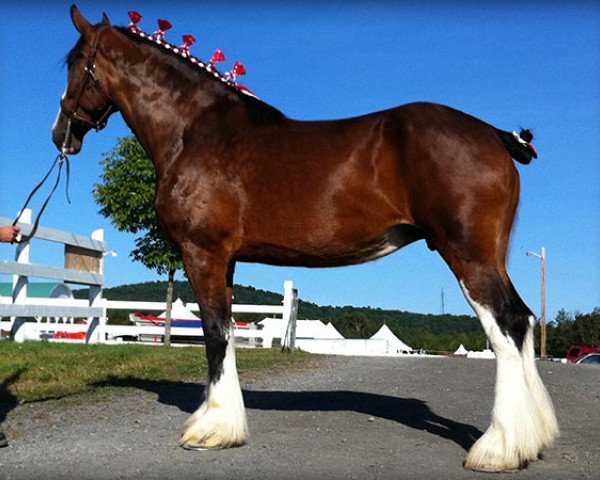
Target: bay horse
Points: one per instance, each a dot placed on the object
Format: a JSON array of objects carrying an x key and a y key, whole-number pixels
[{"x": 238, "y": 181}]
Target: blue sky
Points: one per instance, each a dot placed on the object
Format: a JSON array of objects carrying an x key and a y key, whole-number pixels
[{"x": 511, "y": 64}]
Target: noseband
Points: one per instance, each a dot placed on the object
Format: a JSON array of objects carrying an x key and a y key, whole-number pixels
[{"x": 90, "y": 70}]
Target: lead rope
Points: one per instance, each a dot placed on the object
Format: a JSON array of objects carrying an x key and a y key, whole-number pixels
[{"x": 61, "y": 159}]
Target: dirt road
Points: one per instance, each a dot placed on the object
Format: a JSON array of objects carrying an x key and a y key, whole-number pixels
[{"x": 363, "y": 418}]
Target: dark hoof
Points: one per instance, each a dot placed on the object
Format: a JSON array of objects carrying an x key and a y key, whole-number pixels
[
  {"x": 186, "y": 446},
  {"x": 3, "y": 440}
]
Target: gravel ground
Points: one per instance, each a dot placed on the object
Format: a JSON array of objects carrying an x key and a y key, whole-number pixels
[{"x": 363, "y": 418}]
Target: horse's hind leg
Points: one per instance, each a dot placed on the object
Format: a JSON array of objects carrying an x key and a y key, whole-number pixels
[
  {"x": 523, "y": 420},
  {"x": 548, "y": 426},
  {"x": 220, "y": 422}
]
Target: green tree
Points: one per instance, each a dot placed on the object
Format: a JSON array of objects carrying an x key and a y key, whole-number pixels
[
  {"x": 578, "y": 329},
  {"x": 559, "y": 334},
  {"x": 126, "y": 196},
  {"x": 355, "y": 324},
  {"x": 587, "y": 328}
]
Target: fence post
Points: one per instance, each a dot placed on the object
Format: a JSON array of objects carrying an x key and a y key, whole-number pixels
[
  {"x": 267, "y": 342},
  {"x": 19, "y": 283},
  {"x": 290, "y": 312},
  {"x": 293, "y": 320},
  {"x": 96, "y": 332},
  {"x": 252, "y": 340}
]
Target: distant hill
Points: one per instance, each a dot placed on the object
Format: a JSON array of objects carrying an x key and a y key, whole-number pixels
[
  {"x": 156, "y": 292},
  {"x": 422, "y": 331}
]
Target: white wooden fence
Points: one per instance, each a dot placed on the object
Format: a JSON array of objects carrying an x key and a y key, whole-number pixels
[
  {"x": 19, "y": 306},
  {"x": 86, "y": 257}
]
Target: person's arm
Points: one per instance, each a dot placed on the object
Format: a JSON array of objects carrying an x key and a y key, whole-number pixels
[{"x": 9, "y": 233}]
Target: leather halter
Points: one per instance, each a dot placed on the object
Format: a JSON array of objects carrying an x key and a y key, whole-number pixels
[{"x": 90, "y": 69}]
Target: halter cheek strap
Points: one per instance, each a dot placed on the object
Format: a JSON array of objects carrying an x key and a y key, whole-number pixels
[{"x": 90, "y": 70}]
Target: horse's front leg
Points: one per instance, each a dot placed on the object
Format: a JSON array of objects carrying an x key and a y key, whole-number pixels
[{"x": 220, "y": 422}]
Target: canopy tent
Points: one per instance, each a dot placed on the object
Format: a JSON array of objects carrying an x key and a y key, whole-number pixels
[
  {"x": 332, "y": 332},
  {"x": 179, "y": 312},
  {"x": 60, "y": 290},
  {"x": 395, "y": 345},
  {"x": 180, "y": 317},
  {"x": 304, "y": 328},
  {"x": 461, "y": 350}
]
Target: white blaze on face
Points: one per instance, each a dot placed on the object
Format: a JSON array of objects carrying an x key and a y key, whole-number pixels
[{"x": 59, "y": 109}]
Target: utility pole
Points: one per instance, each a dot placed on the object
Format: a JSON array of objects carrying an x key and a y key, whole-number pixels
[
  {"x": 443, "y": 309},
  {"x": 542, "y": 257}
]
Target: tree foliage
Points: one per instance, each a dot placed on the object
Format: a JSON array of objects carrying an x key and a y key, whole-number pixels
[
  {"x": 126, "y": 196},
  {"x": 578, "y": 329}
]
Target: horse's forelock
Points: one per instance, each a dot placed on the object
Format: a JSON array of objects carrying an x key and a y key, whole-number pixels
[{"x": 75, "y": 53}]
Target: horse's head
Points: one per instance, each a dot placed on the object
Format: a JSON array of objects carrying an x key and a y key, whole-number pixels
[{"x": 86, "y": 104}]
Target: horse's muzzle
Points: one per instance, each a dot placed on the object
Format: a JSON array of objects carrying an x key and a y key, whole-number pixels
[{"x": 67, "y": 136}]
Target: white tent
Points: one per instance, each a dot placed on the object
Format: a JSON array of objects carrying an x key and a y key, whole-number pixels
[
  {"x": 461, "y": 350},
  {"x": 395, "y": 345},
  {"x": 310, "y": 329},
  {"x": 179, "y": 312},
  {"x": 61, "y": 290},
  {"x": 332, "y": 331},
  {"x": 304, "y": 328}
]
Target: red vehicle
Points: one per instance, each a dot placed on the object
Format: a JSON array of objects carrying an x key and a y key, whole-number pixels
[{"x": 575, "y": 352}]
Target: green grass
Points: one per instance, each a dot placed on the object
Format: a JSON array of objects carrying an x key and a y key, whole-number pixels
[{"x": 35, "y": 371}]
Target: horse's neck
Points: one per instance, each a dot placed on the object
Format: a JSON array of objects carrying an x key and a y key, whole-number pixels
[{"x": 158, "y": 102}]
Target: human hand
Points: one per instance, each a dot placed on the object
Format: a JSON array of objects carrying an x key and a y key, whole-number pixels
[{"x": 9, "y": 233}]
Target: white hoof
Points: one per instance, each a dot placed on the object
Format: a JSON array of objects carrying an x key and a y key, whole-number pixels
[
  {"x": 213, "y": 428},
  {"x": 220, "y": 422},
  {"x": 490, "y": 454}
]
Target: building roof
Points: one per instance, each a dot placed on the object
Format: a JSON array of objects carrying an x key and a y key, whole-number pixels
[{"x": 34, "y": 289}]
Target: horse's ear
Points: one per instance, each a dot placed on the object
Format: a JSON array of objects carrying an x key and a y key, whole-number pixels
[
  {"x": 81, "y": 24},
  {"x": 106, "y": 20}
]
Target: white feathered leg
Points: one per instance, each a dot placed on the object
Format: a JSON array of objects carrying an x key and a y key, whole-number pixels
[
  {"x": 545, "y": 418},
  {"x": 220, "y": 422},
  {"x": 520, "y": 426}
]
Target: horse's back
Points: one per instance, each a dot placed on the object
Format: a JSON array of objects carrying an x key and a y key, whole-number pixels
[{"x": 423, "y": 134}]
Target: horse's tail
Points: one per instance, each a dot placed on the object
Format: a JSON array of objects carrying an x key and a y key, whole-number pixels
[{"x": 518, "y": 144}]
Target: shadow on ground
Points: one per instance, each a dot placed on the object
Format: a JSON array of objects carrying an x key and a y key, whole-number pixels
[
  {"x": 411, "y": 412},
  {"x": 8, "y": 401}
]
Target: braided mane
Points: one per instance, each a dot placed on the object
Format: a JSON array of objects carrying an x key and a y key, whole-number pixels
[{"x": 259, "y": 112}]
